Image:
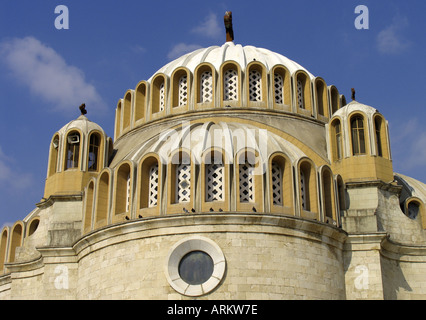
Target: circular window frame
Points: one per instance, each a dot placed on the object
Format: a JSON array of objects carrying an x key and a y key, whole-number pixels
[{"x": 182, "y": 248}]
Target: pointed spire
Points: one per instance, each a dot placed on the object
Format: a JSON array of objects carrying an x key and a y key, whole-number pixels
[{"x": 228, "y": 26}]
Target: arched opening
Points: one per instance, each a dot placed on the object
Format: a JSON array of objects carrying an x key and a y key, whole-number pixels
[
  {"x": 140, "y": 101},
  {"x": 94, "y": 152},
  {"x": 16, "y": 241},
  {"x": 334, "y": 99},
  {"x": 33, "y": 226},
  {"x": 127, "y": 110},
  {"x": 321, "y": 95},
  {"x": 87, "y": 224},
  {"x": 123, "y": 190},
  {"x": 328, "y": 195},
  {"x": 281, "y": 186},
  {"x": 54, "y": 154},
  {"x": 358, "y": 135},
  {"x": 158, "y": 94},
  {"x": 72, "y": 152},
  {"x": 150, "y": 183},
  {"x": 337, "y": 140},
  {"x": 308, "y": 190},
  {"x": 102, "y": 200},
  {"x": 3, "y": 249}
]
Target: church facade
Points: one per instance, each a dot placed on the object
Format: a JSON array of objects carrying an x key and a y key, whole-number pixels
[{"x": 233, "y": 173}]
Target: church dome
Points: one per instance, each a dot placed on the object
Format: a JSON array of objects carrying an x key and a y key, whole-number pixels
[
  {"x": 83, "y": 124},
  {"x": 243, "y": 55}
]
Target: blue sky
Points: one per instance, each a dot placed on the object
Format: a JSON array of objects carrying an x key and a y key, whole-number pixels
[{"x": 46, "y": 73}]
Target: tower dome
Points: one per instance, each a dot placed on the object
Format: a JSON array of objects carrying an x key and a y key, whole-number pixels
[{"x": 78, "y": 152}]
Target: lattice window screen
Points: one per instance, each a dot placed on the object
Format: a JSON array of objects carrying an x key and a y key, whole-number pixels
[
  {"x": 300, "y": 99},
  {"x": 214, "y": 182},
  {"x": 231, "y": 85},
  {"x": 246, "y": 182},
  {"x": 278, "y": 88},
  {"x": 162, "y": 97},
  {"x": 255, "y": 86},
  {"x": 153, "y": 186},
  {"x": 303, "y": 189},
  {"x": 183, "y": 183},
  {"x": 277, "y": 188},
  {"x": 183, "y": 90},
  {"x": 206, "y": 87}
]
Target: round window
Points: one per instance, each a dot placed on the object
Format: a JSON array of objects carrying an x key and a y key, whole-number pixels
[{"x": 195, "y": 266}]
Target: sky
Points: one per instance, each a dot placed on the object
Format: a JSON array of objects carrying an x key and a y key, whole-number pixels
[{"x": 52, "y": 61}]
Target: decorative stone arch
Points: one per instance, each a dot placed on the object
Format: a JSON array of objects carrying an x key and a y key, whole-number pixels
[
  {"x": 181, "y": 84},
  {"x": 123, "y": 191},
  {"x": 73, "y": 149},
  {"x": 205, "y": 86},
  {"x": 281, "y": 191},
  {"x": 359, "y": 133},
  {"x": 102, "y": 198},
  {"x": 181, "y": 181},
  {"x": 150, "y": 183},
  {"x": 141, "y": 101},
  {"x": 54, "y": 155},
  {"x": 321, "y": 99},
  {"x": 336, "y": 135},
  {"x": 328, "y": 196},
  {"x": 307, "y": 189},
  {"x": 334, "y": 97},
  {"x": 249, "y": 180},
  {"x": 230, "y": 84},
  {"x": 89, "y": 205},
  {"x": 16, "y": 240},
  {"x": 215, "y": 181},
  {"x": 158, "y": 98},
  {"x": 256, "y": 85},
  {"x": 4, "y": 245},
  {"x": 303, "y": 94},
  {"x": 381, "y": 136},
  {"x": 281, "y": 88}
]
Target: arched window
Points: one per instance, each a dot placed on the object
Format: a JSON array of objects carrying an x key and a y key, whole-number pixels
[
  {"x": 341, "y": 194},
  {"x": 336, "y": 136},
  {"x": 127, "y": 110},
  {"x": 33, "y": 226},
  {"x": 215, "y": 180},
  {"x": 54, "y": 153},
  {"x": 328, "y": 195},
  {"x": 3, "y": 249},
  {"x": 93, "y": 156},
  {"x": 321, "y": 94},
  {"x": 281, "y": 184},
  {"x": 230, "y": 85},
  {"x": 118, "y": 120},
  {"x": 335, "y": 99},
  {"x": 16, "y": 240},
  {"x": 183, "y": 182},
  {"x": 255, "y": 86},
  {"x": 206, "y": 87},
  {"x": 158, "y": 94},
  {"x": 72, "y": 152},
  {"x": 377, "y": 127},
  {"x": 89, "y": 207},
  {"x": 102, "y": 200},
  {"x": 307, "y": 189},
  {"x": 358, "y": 136},
  {"x": 149, "y": 185},
  {"x": 140, "y": 101},
  {"x": 123, "y": 189},
  {"x": 246, "y": 180},
  {"x": 300, "y": 94},
  {"x": 183, "y": 90},
  {"x": 278, "y": 88}
]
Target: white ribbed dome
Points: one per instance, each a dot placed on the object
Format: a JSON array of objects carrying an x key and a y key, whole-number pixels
[
  {"x": 82, "y": 123},
  {"x": 231, "y": 52}
]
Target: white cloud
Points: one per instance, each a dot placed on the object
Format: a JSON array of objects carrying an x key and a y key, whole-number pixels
[
  {"x": 12, "y": 179},
  {"x": 182, "y": 48},
  {"x": 390, "y": 40},
  {"x": 209, "y": 27},
  {"x": 47, "y": 74}
]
